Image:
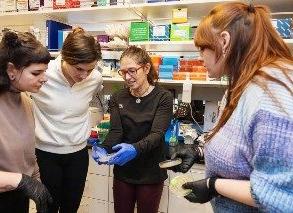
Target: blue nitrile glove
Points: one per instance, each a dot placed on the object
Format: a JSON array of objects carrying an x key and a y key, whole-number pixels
[
  {"x": 126, "y": 153},
  {"x": 98, "y": 152}
]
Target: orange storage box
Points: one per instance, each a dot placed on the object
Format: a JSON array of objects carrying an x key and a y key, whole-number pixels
[
  {"x": 179, "y": 75},
  {"x": 185, "y": 68},
  {"x": 156, "y": 59},
  {"x": 66, "y": 4},
  {"x": 192, "y": 76},
  {"x": 200, "y": 69},
  {"x": 190, "y": 62},
  {"x": 198, "y": 76}
]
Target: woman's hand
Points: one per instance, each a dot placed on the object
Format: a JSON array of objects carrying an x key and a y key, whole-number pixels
[
  {"x": 98, "y": 152},
  {"x": 202, "y": 190},
  {"x": 189, "y": 154},
  {"x": 36, "y": 191},
  {"x": 126, "y": 152}
]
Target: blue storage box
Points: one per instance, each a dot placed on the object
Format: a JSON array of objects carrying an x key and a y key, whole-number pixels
[
  {"x": 62, "y": 34},
  {"x": 166, "y": 68},
  {"x": 166, "y": 75},
  {"x": 171, "y": 60},
  {"x": 283, "y": 26},
  {"x": 160, "y": 33}
]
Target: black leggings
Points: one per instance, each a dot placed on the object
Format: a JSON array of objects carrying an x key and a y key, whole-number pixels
[
  {"x": 64, "y": 175},
  {"x": 14, "y": 202}
]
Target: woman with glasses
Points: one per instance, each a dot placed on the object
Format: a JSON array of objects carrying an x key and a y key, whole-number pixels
[
  {"x": 140, "y": 115},
  {"x": 61, "y": 110},
  {"x": 23, "y": 62}
]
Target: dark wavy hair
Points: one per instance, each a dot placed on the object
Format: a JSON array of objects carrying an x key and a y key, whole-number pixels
[
  {"x": 22, "y": 50},
  {"x": 140, "y": 56}
]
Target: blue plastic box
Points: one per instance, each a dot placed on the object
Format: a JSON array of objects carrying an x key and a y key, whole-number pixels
[
  {"x": 284, "y": 27},
  {"x": 171, "y": 60},
  {"x": 166, "y": 75},
  {"x": 166, "y": 68},
  {"x": 160, "y": 33}
]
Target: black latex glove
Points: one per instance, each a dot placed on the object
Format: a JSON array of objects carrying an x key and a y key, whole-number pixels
[
  {"x": 190, "y": 154},
  {"x": 202, "y": 190},
  {"x": 36, "y": 191}
]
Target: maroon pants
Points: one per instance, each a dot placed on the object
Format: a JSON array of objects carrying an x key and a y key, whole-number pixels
[{"x": 147, "y": 196}]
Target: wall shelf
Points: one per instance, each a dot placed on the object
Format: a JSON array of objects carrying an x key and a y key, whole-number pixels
[
  {"x": 201, "y": 90},
  {"x": 106, "y": 54},
  {"x": 128, "y": 12},
  {"x": 160, "y": 46},
  {"x": 75, "y": 16},
  {"x": 167, "y": 46},
  {"x": 173, "y": 82},
  {"x": 182, "y": 46}
]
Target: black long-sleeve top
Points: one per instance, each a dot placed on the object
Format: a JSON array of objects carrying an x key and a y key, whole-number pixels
[{"x": 143, "y": 125}]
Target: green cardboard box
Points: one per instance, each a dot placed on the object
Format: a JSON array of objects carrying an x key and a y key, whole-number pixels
[
  {"x": 180, "y": 32},
  {"x": 139, "y": 31}
]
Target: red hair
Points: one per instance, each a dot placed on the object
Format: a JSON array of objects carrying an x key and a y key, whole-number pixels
[{"x": 254, "y": 44}]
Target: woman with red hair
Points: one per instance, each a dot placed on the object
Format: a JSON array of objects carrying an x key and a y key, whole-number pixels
[{"x": 248, "y": 154}]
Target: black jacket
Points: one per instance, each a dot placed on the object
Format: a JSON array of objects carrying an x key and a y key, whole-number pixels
[{"x": 143, "y": 125}]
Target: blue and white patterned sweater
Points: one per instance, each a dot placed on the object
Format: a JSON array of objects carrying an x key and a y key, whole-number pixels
[{"x": 256, "y": 144}]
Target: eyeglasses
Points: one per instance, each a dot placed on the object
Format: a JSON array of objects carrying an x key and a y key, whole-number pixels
[{"x": 131, "y": 71}]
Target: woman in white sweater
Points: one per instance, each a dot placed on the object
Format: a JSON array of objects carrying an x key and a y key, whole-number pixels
[{"x": 62, "y": 119}]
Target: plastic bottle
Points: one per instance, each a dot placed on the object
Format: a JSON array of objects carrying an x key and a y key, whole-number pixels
[{"x": 187, "y": 89}]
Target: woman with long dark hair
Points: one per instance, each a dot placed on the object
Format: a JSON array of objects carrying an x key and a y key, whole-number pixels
[{"x": 23, "y": 62}]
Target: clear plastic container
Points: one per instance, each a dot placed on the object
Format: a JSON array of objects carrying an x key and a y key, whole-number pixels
[
  {"x": 194, "y": 174},
  {"x": 176, "y": 183}
]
